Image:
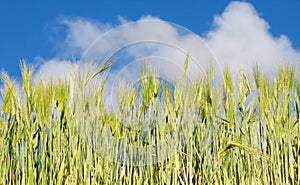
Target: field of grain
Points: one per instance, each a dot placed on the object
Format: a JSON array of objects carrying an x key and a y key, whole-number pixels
[{"x": 244, "y": 130}]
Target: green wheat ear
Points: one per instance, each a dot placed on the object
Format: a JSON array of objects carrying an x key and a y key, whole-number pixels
[
  {"x": 103, "y": 68},
  {"x": 9, "y": 95},
  {"x": 186, "y": 62}
]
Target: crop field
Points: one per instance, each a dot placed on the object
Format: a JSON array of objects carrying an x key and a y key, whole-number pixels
[{"x": 243, "y": 130}]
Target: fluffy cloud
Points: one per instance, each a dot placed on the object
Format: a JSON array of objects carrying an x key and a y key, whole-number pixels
[
  {"x": 240, "y": 38},
  {"x": 80, "y": 34},
  {"x": 53, "y": 70}
]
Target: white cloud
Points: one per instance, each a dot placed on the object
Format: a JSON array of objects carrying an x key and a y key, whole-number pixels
[
  {"x": 80, "y": 34},
  {"x": 240, "y": 38},
  {"x": 53, "y": 70}
]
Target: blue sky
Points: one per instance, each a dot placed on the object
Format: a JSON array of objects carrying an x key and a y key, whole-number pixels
[{"x": 34, "y": 29}]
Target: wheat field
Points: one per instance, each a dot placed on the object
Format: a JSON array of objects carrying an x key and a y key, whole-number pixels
[{"x": 245, "y": 130}]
